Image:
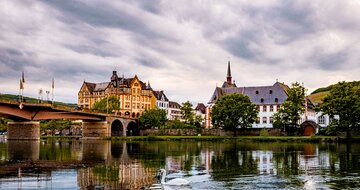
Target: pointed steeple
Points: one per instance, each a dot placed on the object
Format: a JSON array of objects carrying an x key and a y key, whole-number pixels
[
  {"x": 228, "y": 76},
  {"x": 148, "y": 86}
]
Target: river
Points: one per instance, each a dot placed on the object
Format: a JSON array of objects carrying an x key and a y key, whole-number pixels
[{"x": 92, "y": 164}]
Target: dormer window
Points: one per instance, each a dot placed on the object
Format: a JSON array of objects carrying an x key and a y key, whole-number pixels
[
  {"x": 256, "y": 92},
  {"x": 214, "y": 98},
  {"x": 276, "y": 100},
  {"x": 270, "y": 92},
  {"x": 262, "y": 100}
]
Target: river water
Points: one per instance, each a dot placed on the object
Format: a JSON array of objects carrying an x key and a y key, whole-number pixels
[{"x": 109, "y": 165}]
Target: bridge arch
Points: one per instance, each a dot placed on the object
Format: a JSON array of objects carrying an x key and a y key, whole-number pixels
[
  {"x": 117, "y": 128},
  {"x": 132, "y": 129},
  {"x": 309, "y": 128}
]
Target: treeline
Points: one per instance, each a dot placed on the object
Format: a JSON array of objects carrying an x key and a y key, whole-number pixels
[{"x": 328, "y": 88}]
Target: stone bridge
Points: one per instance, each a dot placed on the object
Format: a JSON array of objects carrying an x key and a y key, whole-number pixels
[{"x": 26, "y": 117}]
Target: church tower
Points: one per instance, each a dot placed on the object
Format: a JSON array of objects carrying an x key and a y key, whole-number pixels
[{"x": 228, "y": 76}]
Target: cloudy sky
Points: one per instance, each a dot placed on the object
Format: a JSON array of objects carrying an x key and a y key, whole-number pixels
[{"x": 181, "y": 47}]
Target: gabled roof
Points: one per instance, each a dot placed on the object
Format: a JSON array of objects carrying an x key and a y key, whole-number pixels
[
  {"x": 101, "y": 86},
  {"x": 174, "y": 104},
  {"x": 258, "y": 94},
  {"x": 159, "y": 95},
  {"x": 201, "y": 107},
  {"x": 90, "y": 86}
]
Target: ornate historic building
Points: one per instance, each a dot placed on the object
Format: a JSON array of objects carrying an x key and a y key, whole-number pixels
[{"x": 134, "y": 95}]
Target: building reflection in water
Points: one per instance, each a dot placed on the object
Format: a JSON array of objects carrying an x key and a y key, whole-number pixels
[{"x": 118, "y": 171}]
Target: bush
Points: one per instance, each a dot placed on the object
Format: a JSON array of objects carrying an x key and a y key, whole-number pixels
[{"x": 264, "y": 132}]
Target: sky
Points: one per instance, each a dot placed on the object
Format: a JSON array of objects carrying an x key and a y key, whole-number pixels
[{"x": 181, "y": 47}]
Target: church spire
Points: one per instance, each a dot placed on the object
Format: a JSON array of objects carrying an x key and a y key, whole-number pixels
[{"x": 228, "y": 76}]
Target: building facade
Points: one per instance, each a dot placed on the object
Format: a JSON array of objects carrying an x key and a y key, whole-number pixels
[
  {"x": 267, "y": 98},
  {"x": 162, "y": 102},
  {"x": 174, "y": 112},
  {"x": 134, "y": 95}
]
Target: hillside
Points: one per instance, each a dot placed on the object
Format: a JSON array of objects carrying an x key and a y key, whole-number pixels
[
  {"x": 12, "y": 97},
  {"x": 319, "y": 94}
]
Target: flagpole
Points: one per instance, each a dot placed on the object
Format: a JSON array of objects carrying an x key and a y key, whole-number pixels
[{"x": 52, "y": 93}]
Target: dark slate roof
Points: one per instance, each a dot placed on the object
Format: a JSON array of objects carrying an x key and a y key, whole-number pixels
[
  {"x": 226, "y": 85},
  {"x": 90, "y": 86},
  {"x": 258, "y": 94},
  {"x": 201, "y": 107},
  {"x": 174, "y": 104},
  {"x": 101, "y": 86},
  {"x": 159, "y": 94}
]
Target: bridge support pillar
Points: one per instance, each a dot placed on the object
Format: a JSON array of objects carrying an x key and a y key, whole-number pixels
[
  {"x": 29, "y": 130},
  {"x": 95, "y": 129}
]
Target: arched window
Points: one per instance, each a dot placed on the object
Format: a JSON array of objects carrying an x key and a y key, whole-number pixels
[
  {"x": 270, "y": 92},
  {"x": 271, "y": 120},
  {"x": 262, "y": 100},
  {"x": 264, "y": 108},
  {"x": 256, "y": 92},
  {"x": 276, "y": 100},
  {"x": 271, "y": 108}
]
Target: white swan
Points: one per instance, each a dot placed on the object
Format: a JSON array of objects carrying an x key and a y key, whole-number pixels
[{"x": 174, "y": 182}]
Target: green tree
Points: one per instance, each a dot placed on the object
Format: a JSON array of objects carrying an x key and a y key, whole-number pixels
[
  {"x": 289, "y": 113},
  {"x": 343, "y": 102},
  {"x": 3, "y": 124},
  {"x": 153, "y": 118},
  {"x": 55, "y": 125},
  {"x": 233, "y": 111},
  {"x": 107, "y": 105},
  {"x": 187, "y": 111}
]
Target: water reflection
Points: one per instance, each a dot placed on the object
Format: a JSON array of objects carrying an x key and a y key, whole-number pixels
[{"x": 208, "y": 165}]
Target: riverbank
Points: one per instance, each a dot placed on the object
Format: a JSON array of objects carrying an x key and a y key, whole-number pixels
[{"x": 314, "y": 139}]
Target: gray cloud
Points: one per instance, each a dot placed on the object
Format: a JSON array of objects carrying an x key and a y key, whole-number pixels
[{"x": 181, "y": 47}]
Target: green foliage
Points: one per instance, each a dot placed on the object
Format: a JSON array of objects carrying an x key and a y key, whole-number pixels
[
  {"x": 11, "y": 97},
  {"x": 55, "y": 125},
  {"x": 343, "y": 102},
  {"x": 264, "y": 132},
  {"x": 187, "y": 111},
  {"x": 107, "y": 105},
  {"x": 153, "y": 118},
  {"x": 233, "y": 111},
  {"x": 329, "y": 88},
  {"x": 289, "y": 113},
  {"x": 3, "y": 124}
]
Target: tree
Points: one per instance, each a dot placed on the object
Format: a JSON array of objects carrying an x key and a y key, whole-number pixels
[
  {"x": 343, "y": 102},
  {"x": 3, "y": 124},
  {"x": 187, "y": 111},
  {"x": 107, "y": 105},
  {"x": 233, "y": 111},
  {"x": 289, "y": 113},
  {"x": 53, "y": 125},
  {"x": 153, "y": 118}
]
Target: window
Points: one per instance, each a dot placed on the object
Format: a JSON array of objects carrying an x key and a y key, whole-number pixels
[
  {"x": 264, "y": 108},
  {"x": 256, "y": 92},
  {"x": 264, "y": 120},
  {"x": 262, "y": 100},
  {"x": 258, "y": 120},
  {"x": 271, "y": 108},
  {"x": 321, "y": 120},
  {"x": 258, "y": 108},
  {"x": 271, "y": 120},
  {"x": 270, "y": 92},
  {"x": 276, "y": 100}
]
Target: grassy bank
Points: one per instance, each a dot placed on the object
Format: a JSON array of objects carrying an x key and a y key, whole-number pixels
[
  {"x": 239, "y": 138},
  {"x": 218, "y": 138}
]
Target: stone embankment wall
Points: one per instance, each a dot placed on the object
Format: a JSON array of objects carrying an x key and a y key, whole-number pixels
[{"x": 207, "y": 132}]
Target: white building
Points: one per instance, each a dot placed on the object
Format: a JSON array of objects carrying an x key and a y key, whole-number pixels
[
  {"x": 174, "y": 111},
  {"x": 162, "y": 102},
  {"x": 267, "y": 98}
]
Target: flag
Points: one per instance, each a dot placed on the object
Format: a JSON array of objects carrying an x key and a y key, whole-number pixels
[
  {"x": 52, "y": 84},
  {"x": 23, "y": 77},
  {"x": 21, "y": 84}
]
